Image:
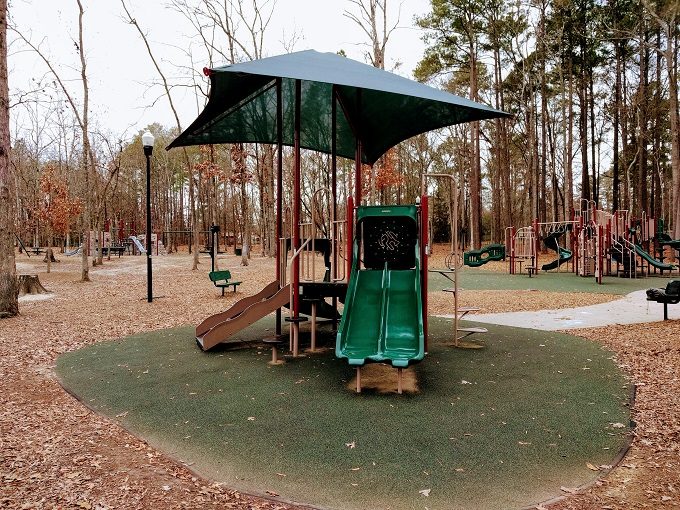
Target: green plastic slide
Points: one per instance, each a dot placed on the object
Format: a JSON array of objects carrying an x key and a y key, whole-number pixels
[
  {"x": 656, "y": 263},
  {"x": 564, "y": 256},
  {"x": 382, "y": 320}
]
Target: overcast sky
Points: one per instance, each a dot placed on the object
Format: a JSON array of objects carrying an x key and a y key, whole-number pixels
[{"x": 121, "y": 75}]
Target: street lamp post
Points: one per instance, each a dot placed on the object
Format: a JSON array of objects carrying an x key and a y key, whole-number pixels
[{"x": 147, "y": 142}]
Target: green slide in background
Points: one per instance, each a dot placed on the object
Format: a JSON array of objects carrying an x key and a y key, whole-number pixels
[
  {"x": 551, "y": 242},
  {"x": 656, "y": 263},
  {"x": 564, "y": 256},
  {"x": 382, "y": 320}
]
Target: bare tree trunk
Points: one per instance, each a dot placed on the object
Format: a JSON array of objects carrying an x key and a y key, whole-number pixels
[
  {"x": 568, "y": 160},
  {"x": 625, "y": 195},
  {"x": 87, "y": 160},
  {"x": 641, "y": 191},
  {"x": 9, "y": 304},
  {"x": 543, "y": 196},
  {"x": 476, "y": 173},
  {"x": 617, "y": 116},
  {"x": 672, "y": 66},
  {"x": 583, "y": 129},
  {"x": 669, "y": 27}
]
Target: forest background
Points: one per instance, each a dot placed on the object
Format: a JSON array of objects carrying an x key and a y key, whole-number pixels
[{"x": 592, "y": 86}]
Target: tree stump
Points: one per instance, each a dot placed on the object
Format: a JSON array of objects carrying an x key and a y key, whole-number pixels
[
  {"x": 30, "y": 284},
  {"x": 49, "y": 253}
]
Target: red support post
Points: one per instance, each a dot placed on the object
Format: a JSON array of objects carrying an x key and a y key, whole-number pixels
[
  {"x": 297, "y": 199},
  {"x": 536, "y": 244},
  {"x": 349, "y": 217},
  {"x": 357, "y": 155},
  {"x": 600, "y": 251},
  {"x": 279, "y": 189},
  {"x": 424, "y": 240},
  {"x": 512, "y": 250}
]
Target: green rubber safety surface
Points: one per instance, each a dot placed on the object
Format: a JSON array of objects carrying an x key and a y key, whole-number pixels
[
  {"x": 477, "y": 279},
  {"x": 501, "y": 427}
]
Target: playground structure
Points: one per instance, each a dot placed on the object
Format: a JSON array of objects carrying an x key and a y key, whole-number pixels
[
  {"x": 595, "y": 243},
  {"x": 122, "y": 240},
  {"x": 476, "y": 258},
  {"x": 383, "y": 271}
]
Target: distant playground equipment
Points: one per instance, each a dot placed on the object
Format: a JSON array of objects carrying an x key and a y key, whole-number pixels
[
  {"x": 523, "y": 248},
  {"x": 552, "y": 242},
  {"x": 75, "y": 251},
  {"x": 597, "y": 244},
  {"x": 476, "y": 258},
  {"x": 138, "y": 244}
]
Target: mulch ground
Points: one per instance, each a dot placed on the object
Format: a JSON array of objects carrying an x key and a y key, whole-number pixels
[{"x": 55, "y": 453}]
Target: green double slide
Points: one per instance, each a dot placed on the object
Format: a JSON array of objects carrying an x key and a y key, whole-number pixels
[{"x": 382, "y": 320}]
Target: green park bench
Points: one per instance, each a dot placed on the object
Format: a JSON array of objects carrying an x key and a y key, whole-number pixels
[
  {"x": 668, "y": 296},
  {"x": 221, "y": 279}
]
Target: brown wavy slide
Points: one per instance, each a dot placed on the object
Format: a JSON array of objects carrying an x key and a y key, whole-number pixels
[{"x": 219, "y": 327}]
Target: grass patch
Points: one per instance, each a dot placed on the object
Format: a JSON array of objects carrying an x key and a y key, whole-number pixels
[
  {"x": 500, "y": 427},
  {"x": 476, "y": 279}
]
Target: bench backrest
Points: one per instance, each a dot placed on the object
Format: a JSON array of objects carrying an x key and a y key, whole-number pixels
[
  {"x": 219, "y": 275},
  {"x": 673, "y": 288}
]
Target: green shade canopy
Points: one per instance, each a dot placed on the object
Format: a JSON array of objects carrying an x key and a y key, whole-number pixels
[{"x": 379, "y": 107}]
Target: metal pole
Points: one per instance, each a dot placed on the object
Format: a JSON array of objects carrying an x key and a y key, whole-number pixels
[
  {"x": 279, "y": 189},
  {"x": 295, "y": 277},
  {"x": 149, "y": 277},
  {"x": 334, "y": 197},
  {"x": 357, "y": 154},
  {"x": 454, "y": 236}
]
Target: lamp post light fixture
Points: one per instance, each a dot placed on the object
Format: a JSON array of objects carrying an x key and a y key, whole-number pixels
[{"x": 147, "y": 143}]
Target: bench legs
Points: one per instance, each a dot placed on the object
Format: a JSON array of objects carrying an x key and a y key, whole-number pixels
[{"x": 227, "y": 285}]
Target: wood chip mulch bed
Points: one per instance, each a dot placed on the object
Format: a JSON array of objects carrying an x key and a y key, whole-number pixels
[{"x": 55, "y": 453}]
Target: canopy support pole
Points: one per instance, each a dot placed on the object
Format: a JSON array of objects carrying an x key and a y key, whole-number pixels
[
  {"x": 334, "y": 195},
  {"x": 357, "y": 155},
  {"x": 279, "y": 189},
  {"x": 295, "y": 277}
]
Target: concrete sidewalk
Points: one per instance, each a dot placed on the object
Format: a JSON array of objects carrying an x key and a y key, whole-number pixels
[{"x": 632, "y": 309}]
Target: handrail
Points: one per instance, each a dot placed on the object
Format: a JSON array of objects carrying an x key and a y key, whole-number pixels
[
  {"x": 631, "y": 255},
  {"x": 293, "y": 333},
  {"x": 335, "y": 235},
  {"x": 290, "y": 267}
]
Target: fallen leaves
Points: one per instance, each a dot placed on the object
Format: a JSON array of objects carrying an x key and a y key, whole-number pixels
[
  {"x": 39, "y": 420},
  {"x": 46, "y": 433}
]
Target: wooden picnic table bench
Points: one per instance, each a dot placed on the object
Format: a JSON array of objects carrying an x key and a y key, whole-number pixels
[
  {"x": 119, "y": 250},
  {"x": 222, "y": 279}
]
